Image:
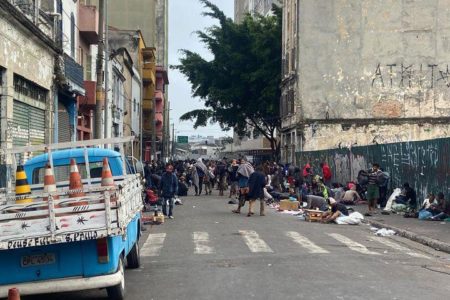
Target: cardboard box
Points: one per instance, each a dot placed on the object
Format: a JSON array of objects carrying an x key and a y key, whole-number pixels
[
  {"x": 159, "y": 218},
  {"x": 289, "y": 205}
]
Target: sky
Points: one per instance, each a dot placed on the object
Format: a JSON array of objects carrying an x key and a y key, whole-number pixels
[{"x": 184, "y": 19}]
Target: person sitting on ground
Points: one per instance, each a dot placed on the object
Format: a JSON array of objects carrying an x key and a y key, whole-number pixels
[
  {"x": 441, "y": 211},
  {"x": 319, "y": 188},
  {"x": 351, "y": 196},
  {"x": 182, "y": 187},
  {"x": 337, "y": 210},
  {"x": 408, "y": 197},
  {"x": 428, "y": 201},
  {"x": 316, "y": 202}
]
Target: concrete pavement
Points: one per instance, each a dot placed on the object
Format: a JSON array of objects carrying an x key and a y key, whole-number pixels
[{"x": 207, "y": 252}]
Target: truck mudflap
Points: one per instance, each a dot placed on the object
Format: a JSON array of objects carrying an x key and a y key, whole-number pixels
[{"x": 65, "y": 285}]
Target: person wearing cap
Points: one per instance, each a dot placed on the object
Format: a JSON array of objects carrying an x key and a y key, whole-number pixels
[
  {"x": 168, "y": 188},
  {"x": 337, "y": 210}
]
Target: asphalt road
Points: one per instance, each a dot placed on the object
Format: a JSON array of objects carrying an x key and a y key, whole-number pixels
[{"x": 207, "y": 252}]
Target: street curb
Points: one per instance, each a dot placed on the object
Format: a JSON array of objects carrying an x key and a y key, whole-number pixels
[{"x": 438, "y": 245}]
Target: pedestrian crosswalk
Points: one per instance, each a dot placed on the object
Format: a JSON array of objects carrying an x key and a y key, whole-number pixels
[{"x": 202, "y": 244}]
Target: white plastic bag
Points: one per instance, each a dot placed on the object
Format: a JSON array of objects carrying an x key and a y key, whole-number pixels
[
  {"x": 354, "y": 218},
  {"x": 394, "y": 194}
]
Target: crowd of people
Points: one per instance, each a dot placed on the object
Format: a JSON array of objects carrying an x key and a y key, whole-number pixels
[{"x": 269, "y": 182}]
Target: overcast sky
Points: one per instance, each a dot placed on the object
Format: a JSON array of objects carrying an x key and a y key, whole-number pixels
[{"x": 184, "y": 19}]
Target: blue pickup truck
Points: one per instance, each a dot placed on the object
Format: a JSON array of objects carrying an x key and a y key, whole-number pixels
[{"x": 60, "y": 244}]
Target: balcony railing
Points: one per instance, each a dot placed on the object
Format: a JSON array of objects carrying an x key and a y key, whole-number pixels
[{"x": 73, "y": 71}]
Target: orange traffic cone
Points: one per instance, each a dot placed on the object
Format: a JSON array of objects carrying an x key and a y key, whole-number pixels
[
  {"x": 13, "y": 294},
  {"x": 49, "y": 183},
  {"x": 107, "y": 179},
  {"x": 23, "y": 189},
  {"x": 75, "y": 183}
]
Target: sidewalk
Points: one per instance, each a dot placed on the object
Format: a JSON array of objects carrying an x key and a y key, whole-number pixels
[{"x": 430, "y": 233}]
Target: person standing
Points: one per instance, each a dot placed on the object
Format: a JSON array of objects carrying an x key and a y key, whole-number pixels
[
  {"x": 326, "y": 173},
  {"x": 373, "y": 190},
  {"x": 221, "y": 173},
  {"x": 202, "y": 171},
  {"x": 244, "y": 172},
  {"x": 168, "y": 187},
  {"x": 232, "y": 178},
  {"x": 256, "y": 184}
]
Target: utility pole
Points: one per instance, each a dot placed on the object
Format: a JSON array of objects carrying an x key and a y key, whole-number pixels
[
  {"x": 154, "y": 128},
  {"x": 108, "y": 123},
  {"x": 173, "y": 141},
  {"x": 100, "y": 93}
]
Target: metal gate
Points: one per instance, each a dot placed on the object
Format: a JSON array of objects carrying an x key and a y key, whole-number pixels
[
  {"x": 63, "y": 124},
  {"x": 28, "y": 125}
]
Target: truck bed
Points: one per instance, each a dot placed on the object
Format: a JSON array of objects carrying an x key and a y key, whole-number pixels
[{"x": 104, "y": 211}]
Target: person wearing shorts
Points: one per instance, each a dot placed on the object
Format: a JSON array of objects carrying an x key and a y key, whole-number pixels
[{"x": 373, "y": 190}]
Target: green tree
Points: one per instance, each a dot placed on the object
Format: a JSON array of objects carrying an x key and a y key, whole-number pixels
[{"x": 240, "y": 86}]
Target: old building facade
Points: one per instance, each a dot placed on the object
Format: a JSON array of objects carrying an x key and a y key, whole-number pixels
[
  {"x": 363, "y": 73},
  {"x": 373, "y": 73}
]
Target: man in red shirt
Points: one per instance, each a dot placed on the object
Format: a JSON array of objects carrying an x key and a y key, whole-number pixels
[{"x": 326, "y": 173}]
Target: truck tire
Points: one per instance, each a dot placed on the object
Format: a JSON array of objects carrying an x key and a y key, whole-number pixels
[
  {"x": 134, "y": 257},
  {"x": 117, "y": 292}
]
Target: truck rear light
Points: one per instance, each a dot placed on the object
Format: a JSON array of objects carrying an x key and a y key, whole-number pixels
[{"x": 102, "y": 251}]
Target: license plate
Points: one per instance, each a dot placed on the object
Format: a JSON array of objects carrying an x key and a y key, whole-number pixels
[{"x": 37, "y": 260}]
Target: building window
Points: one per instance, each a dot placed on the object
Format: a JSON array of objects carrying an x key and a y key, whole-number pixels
[
  {"x": 72, "y": 35},
  {"x": 24, "y": 88}
]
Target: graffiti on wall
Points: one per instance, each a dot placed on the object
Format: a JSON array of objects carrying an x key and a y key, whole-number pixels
[
  {"x": 425, "y": 164},
  {"x": 422, "y": 76}
]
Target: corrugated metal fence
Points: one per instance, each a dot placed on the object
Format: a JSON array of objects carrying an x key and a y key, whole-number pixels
[{"x": 425, "y": 164}]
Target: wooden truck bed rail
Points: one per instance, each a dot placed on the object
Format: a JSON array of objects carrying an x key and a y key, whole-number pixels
[{"x": 104, "y": 211}]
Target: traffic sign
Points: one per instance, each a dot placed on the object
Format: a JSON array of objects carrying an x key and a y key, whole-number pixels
[{"x": 182, "y": 139}]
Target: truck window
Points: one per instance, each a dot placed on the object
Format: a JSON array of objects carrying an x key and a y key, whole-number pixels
[{"x": 62, "y": 172}]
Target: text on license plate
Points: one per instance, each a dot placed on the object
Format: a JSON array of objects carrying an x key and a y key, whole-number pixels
[{"x": 37, "y": 260}]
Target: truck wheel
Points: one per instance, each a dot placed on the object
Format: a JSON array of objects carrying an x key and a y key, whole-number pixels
[
  {"x": 117, "y": 292},
  {"x": 134, "y": 257}
]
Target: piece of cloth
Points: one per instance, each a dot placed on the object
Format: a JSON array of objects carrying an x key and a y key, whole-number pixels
[
  {"x": 354, "y": 218},
  {"x": 326, "y": 172},
  {"x": 246, "y": 169}
]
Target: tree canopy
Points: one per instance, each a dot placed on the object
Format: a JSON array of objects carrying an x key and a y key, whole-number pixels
[{"x": 240, "y": 86}]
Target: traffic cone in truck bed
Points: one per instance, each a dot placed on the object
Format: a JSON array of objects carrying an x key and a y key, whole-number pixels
[
  {"x": 107, "y": 179},
  {"x": 49, "y": 183},
  {"x": 23, "y": 189},
  {"x": 13, "y": 294},
  {"x": 75, "y": 184}
]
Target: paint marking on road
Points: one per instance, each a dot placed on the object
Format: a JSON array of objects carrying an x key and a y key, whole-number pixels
[
  {"x": 305, "y": 243},
  {"x": 153, "y": 244},
  {"x": 398, "y": 247},
  {"x": 201, "y": 241},
  {"x": 254, "y": 242},
  {"x": 352, "y": 245}
]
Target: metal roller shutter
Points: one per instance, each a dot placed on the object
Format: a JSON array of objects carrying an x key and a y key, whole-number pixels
[
  {"x": 63, "y": 124},
  {"x": 28, "y": 125}
]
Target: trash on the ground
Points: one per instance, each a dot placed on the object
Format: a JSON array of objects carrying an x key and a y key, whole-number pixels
[
  {"x": 193, "y": 206},
  {"x": 269, "y": 265},
  {"x": 374, "y": 228},
  {"x": 177, "y": 201},
  {"x": 394, "y": 194},
  {"x": 354, "y": 218},
  {"x": 385, "y": 252},
  {"x": 385, "y": 232}
]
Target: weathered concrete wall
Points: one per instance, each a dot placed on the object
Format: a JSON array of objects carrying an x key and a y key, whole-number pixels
[
  {"x": 329, "y": 136},
  {"x": 21, "y": 54},
  {"x": 374, "y": 59}
]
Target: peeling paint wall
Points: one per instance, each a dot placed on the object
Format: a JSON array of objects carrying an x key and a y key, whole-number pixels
[
  {"x": 23, "y": 55},
  {"x": 374, "y": 59},
  {"x": 335, "y": 136}
]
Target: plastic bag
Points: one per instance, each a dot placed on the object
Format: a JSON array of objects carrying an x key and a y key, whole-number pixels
[
  {"x": 425, "y": 214},
  {"x": 352, "y": 219}
]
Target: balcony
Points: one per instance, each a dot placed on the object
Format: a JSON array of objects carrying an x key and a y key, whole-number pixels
[
  {"x": 88, "y": 23},
  {"x": 90, "y": 97},
  {"x": 73, "y": 73}
]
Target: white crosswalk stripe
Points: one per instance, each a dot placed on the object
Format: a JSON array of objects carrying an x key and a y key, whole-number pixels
[
  {"x": 305, "y": 243},
  {"x": 201, "y": 241},
  {"x": 254, "y": 242},
  {"x": 352, "y": 245},
  {"x": 398, "y": 247},
  {"x": 153, "y": 244}
]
